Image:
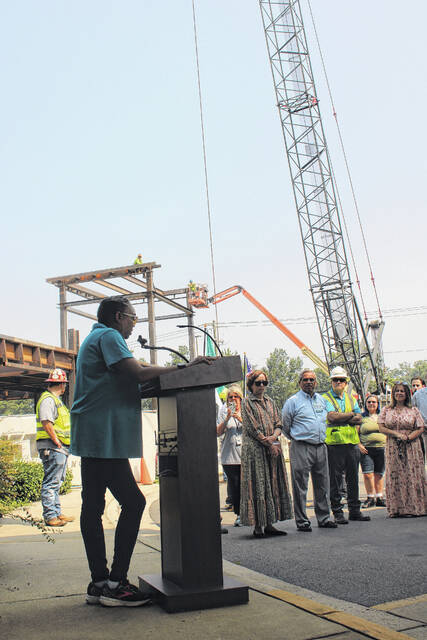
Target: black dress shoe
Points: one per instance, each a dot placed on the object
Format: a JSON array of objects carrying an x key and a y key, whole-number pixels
[
  {"x": 359, "y": 516},
  {"x": 274, "y": 532},
  {"x": 328, "y": 525},
  {"x": 305, "y": 527},
  {"x": 339, "y": 519},
  {"x": 224, "y": 530}
]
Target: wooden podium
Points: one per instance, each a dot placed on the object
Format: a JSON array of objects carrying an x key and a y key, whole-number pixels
[{"x": 192, "y": 576}]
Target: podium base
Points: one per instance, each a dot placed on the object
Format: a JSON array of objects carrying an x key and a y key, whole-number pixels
[{"x": 173, "y": 598}]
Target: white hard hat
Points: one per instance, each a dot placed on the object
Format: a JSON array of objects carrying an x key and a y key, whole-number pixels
[{"x": 339, "y": 372}]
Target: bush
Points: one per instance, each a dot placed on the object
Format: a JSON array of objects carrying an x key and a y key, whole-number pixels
[
  {"x": 20, "y": 482},
  {"x": 29, "y": 478}
]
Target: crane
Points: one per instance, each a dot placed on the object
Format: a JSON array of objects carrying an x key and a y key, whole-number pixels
[
  {"x": 343, "y": 334},
  {"x": 236, "y": 289}
]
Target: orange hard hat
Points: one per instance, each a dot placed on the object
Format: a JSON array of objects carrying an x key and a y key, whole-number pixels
[{"x": 57, "y": 375}]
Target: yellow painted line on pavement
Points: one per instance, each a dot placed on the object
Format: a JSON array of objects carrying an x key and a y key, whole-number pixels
[
  {"x": 370, "y": 629},
  {"x": 395, "y": 604},
  {"x": 317, "y": 608}
]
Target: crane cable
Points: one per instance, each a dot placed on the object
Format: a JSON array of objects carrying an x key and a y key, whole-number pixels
[
  {"x": 205, "y": 165},
  {"x": 348, "y": 171}
]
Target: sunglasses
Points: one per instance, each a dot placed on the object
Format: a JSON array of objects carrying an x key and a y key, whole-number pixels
[
  {"x": 130, "y": 315},
  {"x": 372, "y": 402},
  {"x": 308, "y": 380},
  {"x": 339, "y": 379},
  {"x": 233, "y": 398},
  {"x": 259, "y": 383}
]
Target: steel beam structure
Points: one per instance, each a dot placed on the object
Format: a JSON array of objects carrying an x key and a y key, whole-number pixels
[
  {"x": 313, "y": 186},
  {"x": 143, "y": 291},
  {"x": 24, "y": 366}
]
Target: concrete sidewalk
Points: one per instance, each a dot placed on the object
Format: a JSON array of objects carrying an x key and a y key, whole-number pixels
[{"x": 42, "y": 587}]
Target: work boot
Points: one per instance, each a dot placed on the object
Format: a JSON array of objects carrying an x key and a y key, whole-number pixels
[
  {"x": 55, "y": 522},
  {"x": 359, "y": 516},
  {"x": 66, "y": 518},
  {"x": 339, "y": 518}
]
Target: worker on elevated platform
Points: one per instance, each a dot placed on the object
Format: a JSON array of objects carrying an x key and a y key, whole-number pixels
[{"x": 138, "y": 259}]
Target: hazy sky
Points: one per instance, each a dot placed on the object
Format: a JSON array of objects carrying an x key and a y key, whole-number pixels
[{"x": 101, "y": 158}]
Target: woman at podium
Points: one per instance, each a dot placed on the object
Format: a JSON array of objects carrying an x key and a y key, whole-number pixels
[{"x": 265, "y": 496}]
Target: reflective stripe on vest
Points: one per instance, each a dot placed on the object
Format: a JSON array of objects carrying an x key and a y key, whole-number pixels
[
  {"x": 61, "y": 424},
  {"x": 345, "y": 433}
]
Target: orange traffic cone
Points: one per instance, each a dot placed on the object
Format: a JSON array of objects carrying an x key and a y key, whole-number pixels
[{"x": 145, "y": 476}]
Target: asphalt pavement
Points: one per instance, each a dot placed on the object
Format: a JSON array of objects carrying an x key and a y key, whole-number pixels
[{"x": 363, "y": 562}]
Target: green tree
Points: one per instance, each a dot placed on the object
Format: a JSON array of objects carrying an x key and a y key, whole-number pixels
[
  {"x": 16, "y": 407},
  {"x": 282, "y": 372},
  {"x": 228, "y": 352},
  {"x": 174, "y": 359},
  {"x": 323, "y": 380},
  {"x": 405, "y": 371}
]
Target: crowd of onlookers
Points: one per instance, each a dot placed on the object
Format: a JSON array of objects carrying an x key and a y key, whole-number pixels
[{"x": 330, "y": 437}]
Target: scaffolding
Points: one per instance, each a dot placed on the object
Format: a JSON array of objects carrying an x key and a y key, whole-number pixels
[{"x": 134, "y": 282}]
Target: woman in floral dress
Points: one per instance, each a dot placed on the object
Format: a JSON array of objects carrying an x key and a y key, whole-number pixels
[
  {"x": 406, "y": 489},
  {"x": 265, "y": 496}
]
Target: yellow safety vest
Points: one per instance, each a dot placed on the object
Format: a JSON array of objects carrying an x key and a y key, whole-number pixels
[
  {"x": 61, "y": 424},
  {"x": 345, "y": 433}
]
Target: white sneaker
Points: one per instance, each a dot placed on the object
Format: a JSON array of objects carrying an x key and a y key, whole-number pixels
[{"x": 237, "y": 522}]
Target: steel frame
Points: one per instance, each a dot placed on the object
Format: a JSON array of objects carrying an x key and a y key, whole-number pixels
[
  {"x": 313, "y": 186},
  {"x": 142, "y": 289}
]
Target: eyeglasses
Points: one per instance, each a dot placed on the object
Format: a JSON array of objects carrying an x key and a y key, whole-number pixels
[
  {"x": 130, "y": 315},
  {"x": 339, "y": 379},
  {"x": 233, "y": 398},
  {"x": 258, "y": 383}
]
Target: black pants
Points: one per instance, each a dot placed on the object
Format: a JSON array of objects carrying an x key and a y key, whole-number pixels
[
  {"x": 98, "y": 475},
  {"x": 344, "y": 458},
  {"x": 233, "y": 480}
]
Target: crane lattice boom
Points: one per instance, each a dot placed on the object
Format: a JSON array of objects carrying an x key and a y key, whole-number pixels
[{"x": 313, "y": 186}]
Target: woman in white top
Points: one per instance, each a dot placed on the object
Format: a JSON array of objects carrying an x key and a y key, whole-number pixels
[{"x": 229, "y": 426}]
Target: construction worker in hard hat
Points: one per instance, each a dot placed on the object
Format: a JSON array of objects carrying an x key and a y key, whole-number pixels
[
  {"x": 342, "y": 438},
  {"x": 192, "y": 287},
  {"x": 53, "y": 440},
  {"x": 138, "y": 259}
]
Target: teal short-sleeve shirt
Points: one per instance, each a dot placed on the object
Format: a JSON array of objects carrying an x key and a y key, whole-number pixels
[{"x": 106, "y": 412}]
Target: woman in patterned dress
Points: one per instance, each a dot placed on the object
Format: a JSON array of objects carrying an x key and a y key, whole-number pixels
[
  {"x": 265, "y": 496},
  {"x": 405, "y": 474}
]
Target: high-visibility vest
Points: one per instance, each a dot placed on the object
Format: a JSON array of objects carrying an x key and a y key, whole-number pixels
[
  {"x": 345, "y": 433},
  {"x": 61, "y": 424}
]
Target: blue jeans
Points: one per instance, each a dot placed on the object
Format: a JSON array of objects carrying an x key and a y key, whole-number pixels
[{"x": 55, "y": 466}]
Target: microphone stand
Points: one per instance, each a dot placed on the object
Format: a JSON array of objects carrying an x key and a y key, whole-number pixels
[
  {"x": 185, "y": 326},
  {"x": 143, "y": 342}
]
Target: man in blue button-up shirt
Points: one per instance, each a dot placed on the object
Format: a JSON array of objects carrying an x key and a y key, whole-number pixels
[{"x": 304, "y": 423}]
